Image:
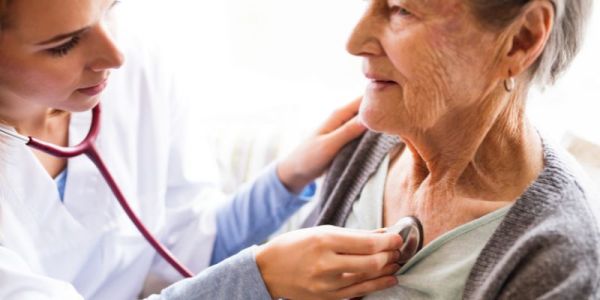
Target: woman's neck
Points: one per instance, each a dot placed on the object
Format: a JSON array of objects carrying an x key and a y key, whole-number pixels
[
  {"x": 463, "y": 168},
  {"x": 488, "y": 152},
  {"x": 478, "y": 161}
]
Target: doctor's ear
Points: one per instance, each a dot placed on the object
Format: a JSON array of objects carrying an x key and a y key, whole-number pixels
[{"x": 529, "y": 35}]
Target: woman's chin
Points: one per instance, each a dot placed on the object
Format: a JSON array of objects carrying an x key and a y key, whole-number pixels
[
  {"x": 388, "y": 124},
  {"x": 371, "y": 121}
]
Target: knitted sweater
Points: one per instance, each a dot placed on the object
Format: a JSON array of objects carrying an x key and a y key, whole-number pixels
[{"x": 547, "y": 246}]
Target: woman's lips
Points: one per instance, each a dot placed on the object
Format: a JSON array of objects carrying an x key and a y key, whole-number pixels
[
  {"x": 93, "y": 90},
  {"x": 378, "y": 82},
  {"x": 379, "y": 85}
]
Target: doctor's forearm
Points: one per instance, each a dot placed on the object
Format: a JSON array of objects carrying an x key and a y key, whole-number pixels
[{"x": 254, "y": 213}]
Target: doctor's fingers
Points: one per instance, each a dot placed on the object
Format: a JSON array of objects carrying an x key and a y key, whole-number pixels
[
  {"x": 348, "y": 279},
  {"x": 345, "y": 133},
  {"x": 340, "y": 116},
  {"x": 354, "y": 242},
  {"x": 373, "y": 263},
  {"x": 365, "y": 288},
  {"x": 350, "y": 285}
]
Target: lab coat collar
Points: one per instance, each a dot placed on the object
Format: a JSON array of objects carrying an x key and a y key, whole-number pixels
[{"x": 32, "y": 190}]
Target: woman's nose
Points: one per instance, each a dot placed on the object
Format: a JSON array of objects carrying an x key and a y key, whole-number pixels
[
  {"x": 364, "y": 39},
  {"x": 107, "y": 54}
]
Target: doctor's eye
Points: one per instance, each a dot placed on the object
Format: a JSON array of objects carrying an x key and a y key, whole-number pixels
[
  {"x": 112, "y": 6},
  {"x": 65, "y": 48}
]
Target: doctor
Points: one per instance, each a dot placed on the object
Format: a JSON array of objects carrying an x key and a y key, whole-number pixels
[{"x": 62, "y": 235}]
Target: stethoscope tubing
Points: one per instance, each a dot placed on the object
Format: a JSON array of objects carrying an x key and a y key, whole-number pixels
[{"x": 87, "y": 147}]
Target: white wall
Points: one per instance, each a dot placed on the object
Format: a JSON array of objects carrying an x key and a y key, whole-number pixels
[{"x": 267, "y": 63}]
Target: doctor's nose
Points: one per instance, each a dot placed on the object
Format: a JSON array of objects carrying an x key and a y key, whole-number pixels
[{"x": 106, "y": 53}]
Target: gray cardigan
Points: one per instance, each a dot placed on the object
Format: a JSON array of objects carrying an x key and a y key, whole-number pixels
[{"x": 547, "y": 246}]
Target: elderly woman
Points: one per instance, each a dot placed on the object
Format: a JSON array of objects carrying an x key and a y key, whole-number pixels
[{"x": 503, "y": 215}]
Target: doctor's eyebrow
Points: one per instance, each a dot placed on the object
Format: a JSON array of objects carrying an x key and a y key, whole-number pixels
[{"x": 63, "y": 36}]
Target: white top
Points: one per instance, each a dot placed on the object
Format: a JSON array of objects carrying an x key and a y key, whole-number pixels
[
  {"x": 440, "y": 270},
  {"x": 87, "y": 244}
]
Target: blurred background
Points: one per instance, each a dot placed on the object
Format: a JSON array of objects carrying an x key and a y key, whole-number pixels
[{"x": 262, "y": 74}]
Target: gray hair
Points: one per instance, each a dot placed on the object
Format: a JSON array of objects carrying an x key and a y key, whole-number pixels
[{"x": 565, "y": 39}]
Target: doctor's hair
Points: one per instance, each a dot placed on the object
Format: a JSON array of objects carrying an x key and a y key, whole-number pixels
[{"x": 565, "y": 39}]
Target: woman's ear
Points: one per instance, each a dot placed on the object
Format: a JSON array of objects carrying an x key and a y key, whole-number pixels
[{"x": 530, "y": 32}]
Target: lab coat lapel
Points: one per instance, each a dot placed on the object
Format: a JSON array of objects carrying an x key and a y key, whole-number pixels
[
  {"x": 33, "y": 195},
  {"x": 87, "y": 196}
]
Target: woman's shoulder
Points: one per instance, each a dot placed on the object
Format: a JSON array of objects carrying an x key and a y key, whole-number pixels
[
  {"x": 555, "y": 215},
  {"x": 547, "y": 244},
  {"x": 566, "y": 190},
  {"x": 560, "y": 202}
]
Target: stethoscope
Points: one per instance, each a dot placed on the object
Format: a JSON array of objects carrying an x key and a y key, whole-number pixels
[
  {"x": 411, "y": 231},
  {"x": 88, "y": 148},
  {"x": 408, "y": 227}
]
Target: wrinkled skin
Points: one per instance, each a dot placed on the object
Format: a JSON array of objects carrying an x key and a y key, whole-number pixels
[{"x": 437, "y": 81}]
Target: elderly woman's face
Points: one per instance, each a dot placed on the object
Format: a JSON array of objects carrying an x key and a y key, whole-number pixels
[{"x": 427, "y": 61}]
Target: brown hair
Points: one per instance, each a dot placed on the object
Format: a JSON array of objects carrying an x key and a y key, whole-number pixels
[{"x": 565, "y": 39}]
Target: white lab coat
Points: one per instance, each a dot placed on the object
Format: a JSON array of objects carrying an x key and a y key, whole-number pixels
[{"x": 87, "y": 247}]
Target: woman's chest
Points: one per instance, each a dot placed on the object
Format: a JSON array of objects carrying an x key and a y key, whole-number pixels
[{"x": 439, "y": 213}]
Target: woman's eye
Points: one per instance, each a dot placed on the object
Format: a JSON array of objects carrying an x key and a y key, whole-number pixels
[
  {"x": 64, "y": 49},
  {"x": 398, "y": 10}
]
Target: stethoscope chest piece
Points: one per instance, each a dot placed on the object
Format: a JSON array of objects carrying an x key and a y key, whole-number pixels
[{"x": 411, "y": 231}]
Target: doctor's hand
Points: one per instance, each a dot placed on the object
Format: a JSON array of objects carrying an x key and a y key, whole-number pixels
[
  {"x": 328, "y": 263},
  {"x": 309, "y": 160}
]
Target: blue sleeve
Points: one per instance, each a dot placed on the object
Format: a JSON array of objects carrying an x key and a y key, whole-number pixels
[
  {"x": 237, "y": 277},
  {"x": 254, "y": 213}
]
